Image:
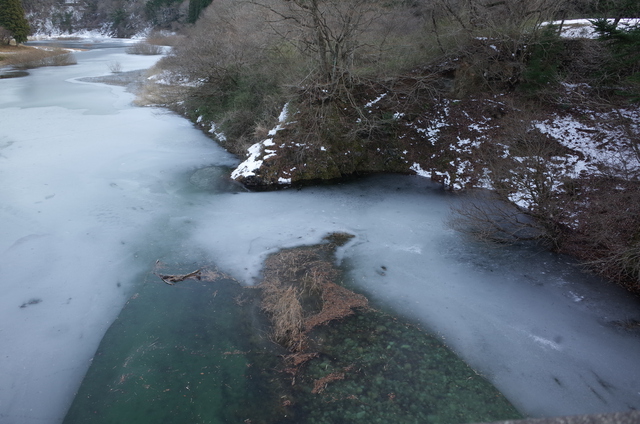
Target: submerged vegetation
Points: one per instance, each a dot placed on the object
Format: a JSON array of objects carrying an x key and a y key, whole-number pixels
[
  {"x": 299, "y": 293},
  {"x": 298, "y": 348}
]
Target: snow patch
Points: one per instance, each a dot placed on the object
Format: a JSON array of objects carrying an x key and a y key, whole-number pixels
[
  {"x": 373, "y": 102},
  {"x": 257, "y": 153},
  {"x": 419, "y": 171}
]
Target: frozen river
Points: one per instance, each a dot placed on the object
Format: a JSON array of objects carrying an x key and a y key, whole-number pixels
[{"x": 94, "y": 190}]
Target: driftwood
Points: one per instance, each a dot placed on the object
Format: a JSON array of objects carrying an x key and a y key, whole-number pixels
[{"x": 172, "y": 279}]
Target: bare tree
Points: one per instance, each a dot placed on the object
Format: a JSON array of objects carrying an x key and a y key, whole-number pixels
[
  {"x": 331, "y": 32},
  {"x": 492, "y": 38},
  {"x": 499, "y": 18}
]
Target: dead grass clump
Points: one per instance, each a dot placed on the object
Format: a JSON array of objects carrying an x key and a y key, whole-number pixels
[
  {"x": 63, "y": 59},
  {"x": 35, "y": 58},
  {"x": 337, "y": 303},
  {"x": 297, "y": 359},
  {"x": 320, "y": 384},
  {"x": 164, "y": 38},
  {"x": 282, "y": 303},
  {"x": 299, "y": 293}
]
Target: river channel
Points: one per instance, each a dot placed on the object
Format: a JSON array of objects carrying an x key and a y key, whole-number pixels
[{"x": 96, "y": 193}]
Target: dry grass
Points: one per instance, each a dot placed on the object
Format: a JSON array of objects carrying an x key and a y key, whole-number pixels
[
  {"x": 282, "y": 303},
  {"x": 6, "y": 48},
  {"x": 320, "y": 384},
  {"x": 164, "y": 38},
  {"x": 337, "y": 303},
  {"x": 155, "y": 94},
  {"x": 299, "y": 294},
  {"x": 23, "y": 57}
]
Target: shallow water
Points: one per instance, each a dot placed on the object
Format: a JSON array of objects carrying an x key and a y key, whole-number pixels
[
  {"x": 199, "y": 351},
  {"x": 94, "y": 191}
]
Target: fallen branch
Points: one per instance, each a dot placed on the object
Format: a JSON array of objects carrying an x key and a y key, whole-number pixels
[{"x": 172, "y": 279}]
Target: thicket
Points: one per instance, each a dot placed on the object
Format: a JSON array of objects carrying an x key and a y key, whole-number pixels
[
  {"x": 623, "y": 64},
  {"x": 246, "y": 59}
]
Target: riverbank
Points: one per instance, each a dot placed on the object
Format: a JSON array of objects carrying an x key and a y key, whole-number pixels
[
  {"x": 26, "y": 57},
  {"x": 567, "y": 156}
]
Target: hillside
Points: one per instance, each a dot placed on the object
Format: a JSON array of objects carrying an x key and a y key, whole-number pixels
[
  {"x": 546, "y": 116},
  {"x": 109, "y": 17}
]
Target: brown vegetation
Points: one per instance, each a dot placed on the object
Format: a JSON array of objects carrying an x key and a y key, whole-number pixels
[
  {"x": 299, "y": 294},
  {"x": 163, "y": 38},
  {"x": 594, "y": 217},
  {"x": 145, "y": 49},
  {"x": 23, "y": 57},
  {"x": 320, "y": 384},
  {"x": 607, "y": 236}
]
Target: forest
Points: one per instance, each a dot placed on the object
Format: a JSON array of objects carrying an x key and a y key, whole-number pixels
[{"x": 118, "y": 18}]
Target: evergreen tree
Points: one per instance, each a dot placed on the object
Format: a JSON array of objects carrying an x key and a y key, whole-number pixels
[
  {"x": 195, "y": 8},
  {"x": 12, "y": 19}
]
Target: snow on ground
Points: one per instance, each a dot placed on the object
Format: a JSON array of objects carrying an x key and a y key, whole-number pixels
[
  {"x": 258, "y": 152},
  {"x": 597, "y": 143},
  {"x": 172, "y": 78},
  {"x": 583, "y": 28},
  {"x": 598, "y": 149}
]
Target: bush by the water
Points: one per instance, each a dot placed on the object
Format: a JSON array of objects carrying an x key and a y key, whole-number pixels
[{"x": 143, "y": 48}]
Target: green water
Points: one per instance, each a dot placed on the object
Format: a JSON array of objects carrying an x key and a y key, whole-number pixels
[
  {"x": 176, "y": 354},
  {"x": 199, "y": 352},
  {"x": 398, "y": 374}
]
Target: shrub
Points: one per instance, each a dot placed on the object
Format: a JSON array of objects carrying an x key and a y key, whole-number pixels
[
  {"x": 143, "y": 48},
  {"x": 35, "y": 58},
  {"x": 623, "y": 66},
  {"x": 522, "y": 171},
  {"x": 64, "y": 59},
  {"x": 114, "y": 66},
  {"x": 163, "y": 38}
]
